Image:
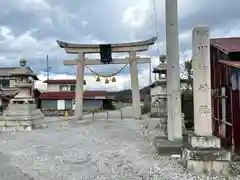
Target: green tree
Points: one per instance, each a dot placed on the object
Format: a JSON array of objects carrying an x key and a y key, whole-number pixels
[{"x": 188, "y": 71}]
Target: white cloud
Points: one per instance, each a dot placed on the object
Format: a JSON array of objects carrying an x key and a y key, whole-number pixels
[
  {"x": 135, "y": 16},
  {"x": 187, "y": 8},
  {"x": 84, "y": 23},
  {"x": 34, "y": 5},
  {"x": 25, "y": 43},
  {"x": 31, "y": 28},
  {"x": 122, "y": 82},
  {"x": 5, "y": 31}
]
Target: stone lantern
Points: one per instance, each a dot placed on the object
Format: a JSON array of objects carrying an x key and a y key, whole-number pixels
[
  {"x": 21, "y": 113},
  {"x": 159, "y": 92}
]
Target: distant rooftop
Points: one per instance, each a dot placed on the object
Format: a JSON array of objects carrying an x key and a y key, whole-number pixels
[
  {"x": 71, "y": 95},
  {"x": 10, "y": 71},
  {"x": 60, "y": 81}
]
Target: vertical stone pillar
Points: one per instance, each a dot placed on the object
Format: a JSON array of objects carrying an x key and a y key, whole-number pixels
[
  {"x": 79, "y": 86},
  {"x": 201, "y": 82},
  {"x": 173, "y": 72},
  {"x": 202, "y": 141},
  {"x": 135, "y": 86}
]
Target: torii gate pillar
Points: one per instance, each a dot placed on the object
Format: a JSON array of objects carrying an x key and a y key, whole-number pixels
[
  {"x": 80, "y": 64},
  {"x": 135, "y": 86}
]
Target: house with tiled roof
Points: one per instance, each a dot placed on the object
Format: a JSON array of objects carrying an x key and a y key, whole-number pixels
[{"x": 60, "y": 95}]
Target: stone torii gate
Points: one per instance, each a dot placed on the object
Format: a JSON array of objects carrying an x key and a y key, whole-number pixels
[{"x": 82, "y": 49}]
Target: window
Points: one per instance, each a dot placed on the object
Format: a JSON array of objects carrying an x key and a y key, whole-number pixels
[
  {"x": 4, "y": 83},
  {"x": 19, "y": 79},
  {"x": 72, "y": 87},
  {"x": 64, "y": 87}
]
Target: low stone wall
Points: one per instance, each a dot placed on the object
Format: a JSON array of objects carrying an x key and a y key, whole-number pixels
[{"x": 55, "y": 112}]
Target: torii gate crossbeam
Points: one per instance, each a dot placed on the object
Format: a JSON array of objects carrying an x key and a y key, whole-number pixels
[{"x": 82, "y": 49}]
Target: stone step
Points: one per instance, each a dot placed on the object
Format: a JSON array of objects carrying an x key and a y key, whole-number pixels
[
  {"x": 209, "y": 154},
  {"x": 16, "y": 123},
  {"x": 21, "y": 113},
  {"x": 208, "y": 167},
  {"x": 204, "y": 141},
  {"x": 15, "y": 128},
  {"x": 206, "y": 160},
  {"x": 166, "y": 147},
  {"x": 19, "y": 117}
]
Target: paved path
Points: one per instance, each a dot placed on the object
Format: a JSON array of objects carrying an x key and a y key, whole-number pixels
[{"x": 90, "y": 150}]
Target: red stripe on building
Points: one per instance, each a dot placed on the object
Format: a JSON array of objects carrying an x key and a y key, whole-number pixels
[{"x": 71, "y": 95}]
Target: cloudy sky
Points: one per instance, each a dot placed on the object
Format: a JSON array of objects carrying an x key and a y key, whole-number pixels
[{"x": 30, "y": 28}]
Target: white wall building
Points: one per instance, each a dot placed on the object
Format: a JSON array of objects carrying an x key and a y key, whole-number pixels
[{"x": 60, "y": 95}]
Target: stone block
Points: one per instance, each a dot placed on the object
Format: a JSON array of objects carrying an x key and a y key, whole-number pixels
[
  {"x": 21, "y": 117},
  {"x": 209, "y": 167},
  {"x": 15, "y": 128},
  {"x": 205, "y": 157},
  {"x": 205, "y": 154},
  {"x": 15, "y": 122},
  {"x": 204, "y": 141},
  {"x": 166, "y": 147}
]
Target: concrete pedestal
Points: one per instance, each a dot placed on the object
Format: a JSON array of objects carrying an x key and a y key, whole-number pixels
[
  {"x": 21, "y": 117},
  {"x": 203, "y": 154}
]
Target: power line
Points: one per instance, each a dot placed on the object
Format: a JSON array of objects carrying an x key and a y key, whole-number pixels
[{"x": 156, "y": 24}]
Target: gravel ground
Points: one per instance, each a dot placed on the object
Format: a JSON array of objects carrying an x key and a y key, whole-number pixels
[{"x": 90, "y": 150}]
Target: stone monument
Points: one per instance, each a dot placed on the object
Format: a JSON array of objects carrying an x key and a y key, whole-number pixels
[
  {"x": 202, "y": 153},
  {"x": 159, "y": 93},
  {"x": 21, "y": 113}
]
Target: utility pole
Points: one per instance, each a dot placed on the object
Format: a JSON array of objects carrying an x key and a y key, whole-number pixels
[
  {"x": 173, "y": 71},
  {"x": 149, "y": 88},
  {"x": 48, "y": 68}
]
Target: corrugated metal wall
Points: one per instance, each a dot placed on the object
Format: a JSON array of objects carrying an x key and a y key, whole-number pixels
[
  {"x": 225, "y": 102},
  {"x": 222, "y": 121}
]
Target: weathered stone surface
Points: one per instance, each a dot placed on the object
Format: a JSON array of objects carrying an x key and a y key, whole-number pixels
[
  {"x": 206, "y": 167},
  {"x": 204, "y": 155},
  {"x": 21, "y": 117},
  {"x": 205, "y": 141},
  {"x": 15, "y": 128}
]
